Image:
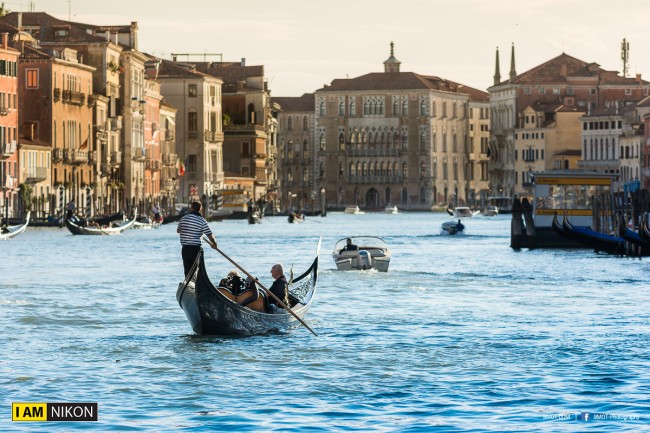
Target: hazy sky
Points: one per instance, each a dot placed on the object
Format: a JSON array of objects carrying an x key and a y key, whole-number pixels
[{"x": 304, "y": 44}]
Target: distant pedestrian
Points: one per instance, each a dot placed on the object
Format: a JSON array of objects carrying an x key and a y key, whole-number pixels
[{"x": 191, "y": 228}]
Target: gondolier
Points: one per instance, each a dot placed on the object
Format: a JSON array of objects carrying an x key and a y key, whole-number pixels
[{"x": 191, "y": 228}]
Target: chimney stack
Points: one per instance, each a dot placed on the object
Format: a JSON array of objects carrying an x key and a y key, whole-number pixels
[{"x": 5, "y": 41}]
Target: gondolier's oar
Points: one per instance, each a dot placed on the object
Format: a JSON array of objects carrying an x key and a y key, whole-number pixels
[{"x": 268, "y": 292}]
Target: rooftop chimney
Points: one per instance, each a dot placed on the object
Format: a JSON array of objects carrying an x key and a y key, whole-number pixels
[
  {"x": 5, "y": 39},
  {"x": 497, "y": 73}
]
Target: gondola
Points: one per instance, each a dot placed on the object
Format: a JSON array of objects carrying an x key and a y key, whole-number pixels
[
  {"x": 634, "y": 238},
  {"x": 9, "y": 232},
  {"x": 76, "y": 229},
  {"x": 590, "y": 238},
  {"x": 213, "y": 309}
]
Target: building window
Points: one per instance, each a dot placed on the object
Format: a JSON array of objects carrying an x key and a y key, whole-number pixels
[
  {"x": 305, "y": 125},
  {"x": 341, "y": 108},
  {"x": 423, "y": 107},
  {"x": 527, "y": 91},
  {"x": 353, "y": 108},
  {"x": 321, "y": 108},
  {"x": 192, "y": 125},
  {"x": 405, "y": 108},
  {"x": 290, "y": 124},
  {"x": 31, "y": 76},
  {"x": 191, "y": 90}
]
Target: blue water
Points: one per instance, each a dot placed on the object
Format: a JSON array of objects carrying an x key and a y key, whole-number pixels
[{"x": 462, "y": 333}]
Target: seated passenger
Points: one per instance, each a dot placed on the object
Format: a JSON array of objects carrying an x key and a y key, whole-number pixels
[{"x": 280, "y": 288}]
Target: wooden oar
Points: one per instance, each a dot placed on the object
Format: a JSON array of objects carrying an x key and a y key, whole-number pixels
[{"x": 268, "y": 292}]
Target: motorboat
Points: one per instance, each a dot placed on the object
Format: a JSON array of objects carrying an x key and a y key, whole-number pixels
[
  {"x": 461, "y": 212},
  {"x": 453, "y": 228},
  {"x": 392, "y": 209},
  {"x": 490, "y": 210},
  {"x": 354, "y": 210},
  {"x": 360, "y": 253}
]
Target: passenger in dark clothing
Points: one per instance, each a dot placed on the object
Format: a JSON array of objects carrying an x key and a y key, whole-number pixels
[
  {"x": 349, "y": 246},
  {"x": 279, "y": 287}
]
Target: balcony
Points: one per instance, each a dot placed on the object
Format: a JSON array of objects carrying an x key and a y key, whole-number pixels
[
  {"x": 56, "y": 94},
  {"x": 212, "y": 136},
  {"x": 138, "y": 154},
  {"x": 116, "y": 159},
  {"x": 169, "y": 184},
  {"x": 116, "y": 123},
  {"x": 152, "y": 164},
  {"x": 74, "y": 98},
  {"x": 78, "y": 157},
  {"x": 7, "y": 149},
  {"x": 35, "y": 174},
  {"x": 57, "y": 155},
  {"x": 375, "y": 179},
  {"x": 3, "y": 111},
  {"x": 169, "y": 159},
  {"x": 372, "y": 152},
  {"x": 104, "y": 170}
]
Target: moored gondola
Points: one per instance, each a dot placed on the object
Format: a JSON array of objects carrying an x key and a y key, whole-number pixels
[
  {"x": 215, "y": 310},
  {"x": 8, "y": 232},
  {"x": 77, "y": 229},
  {"x": 599, "y": 242}
]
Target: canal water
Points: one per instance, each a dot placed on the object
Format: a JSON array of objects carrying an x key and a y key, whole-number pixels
[{"x": 462, "y": 333}]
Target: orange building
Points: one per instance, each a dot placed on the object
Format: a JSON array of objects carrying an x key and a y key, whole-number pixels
[{"x": 8, "y": 128}]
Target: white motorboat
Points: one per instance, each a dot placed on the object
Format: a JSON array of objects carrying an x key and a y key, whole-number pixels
[
  {"x": 361, "y": 252},
  {"x": 452, "y": 228},
  {"x": 461, "y": 212},
  {"x": 490, "y": 210},
  {"x": 392, "y": 209},
  {"x": 354, "y": 210}
]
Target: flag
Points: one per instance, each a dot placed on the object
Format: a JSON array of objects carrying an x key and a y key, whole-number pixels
[
  {"x": 180, "y": 165},
  {"x": 85, "y": 145}
]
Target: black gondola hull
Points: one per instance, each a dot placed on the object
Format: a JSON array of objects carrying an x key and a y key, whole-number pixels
[{"x": 211, "y": 313}]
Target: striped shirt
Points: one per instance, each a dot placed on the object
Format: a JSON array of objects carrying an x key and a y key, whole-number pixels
[{"x": 192, "y": 226}]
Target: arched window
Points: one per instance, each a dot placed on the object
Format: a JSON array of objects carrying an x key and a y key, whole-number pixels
[
  {"x": 423, "y": 107},
  {"x": 353, "y": 107},
  {"x": 381, "y": 108},
  {"x": 358, "y": 169},
  {"x": 405, "y": 108},
  {"x": 366, "y": 108},
  {"x": 290, "y": 123},
  {"x": 405, "y": 170},
  {"x": 405, "y": 141},
  {"x": 433, "y": 108},
  {"x": 305, "y": 125},
  {"x": 363, "y": 169},
  {"x": 382, "y": 169},
  {"x": 444, "y": 108},
  {"x": 341, "y": 108},
  {"x": 341, "y": 141},
  {"x": 423, "y": 170},
  {"x": 321, "y": 171},
  {"x": 305, "y": 149},
  {"x": 351, "y": 170},
  {"x": 423, "y": 141},
  {"x": 321, "y": 141},
  {"x": 395, "y": 108},
  {"x": 341, "y": 170},
  {"x": 321, "y": 108}
]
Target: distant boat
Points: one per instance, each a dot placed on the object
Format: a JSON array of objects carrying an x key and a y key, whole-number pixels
[
  {"x": 392, "y": 209},
  {"x": 77, "y": 229},
  {"x": 453, "y": 228},
  {"x": 369, "y": 252},
  {"x": 354, "y": 210},
  {"x": 461, "y": 212},
  {"x": 490, "y": 210},
  {"x": 9, "y": 232}
]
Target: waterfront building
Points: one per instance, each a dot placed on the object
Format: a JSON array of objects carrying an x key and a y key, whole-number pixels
[
  {"x": 9, "y": 175},
  {"x": 396, "y": 137},
  {"x": 169, "y": 172},
  {"x": 59, "y": 124},
  {"x": 198, "y": 128},
  {"x": 544, "y": 140},
  {"x": 99, "y": 47},
  {"x": 645, "y": 148},
  {"x": 565, "y": 82},
  {"x": 249, "y": 130},
  {"x": 299, "y": 176}
]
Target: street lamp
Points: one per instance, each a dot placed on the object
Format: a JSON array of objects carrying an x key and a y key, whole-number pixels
[{"x": 323, "y": 210}]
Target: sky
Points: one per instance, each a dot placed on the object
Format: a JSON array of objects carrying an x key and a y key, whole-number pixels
[{"x": 305, "y": 44}]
